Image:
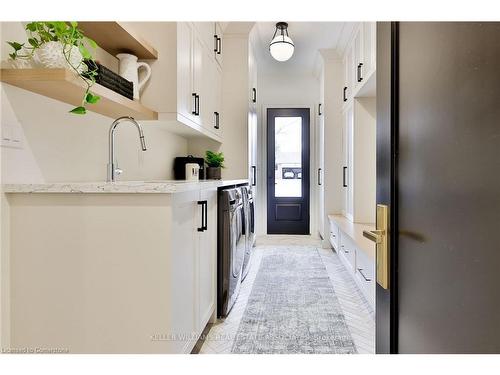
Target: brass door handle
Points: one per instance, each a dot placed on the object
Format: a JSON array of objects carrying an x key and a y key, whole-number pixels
[
  {"x": 374, "y": 235},
  {"x": 381, "y": 238}
]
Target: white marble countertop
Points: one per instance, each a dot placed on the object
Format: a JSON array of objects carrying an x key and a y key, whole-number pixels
[{"x": 142, "y": 187}]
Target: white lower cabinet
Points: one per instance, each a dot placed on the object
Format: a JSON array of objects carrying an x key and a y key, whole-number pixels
[
  {"x": 334, "y": 235},
  {"x": 193, "y": 266},
  {"x": 359, "y": 265},
  {"x": 347, "y": 252},
  {"x": 207, "y": 258},
  {"x": 364, "y": 275}
]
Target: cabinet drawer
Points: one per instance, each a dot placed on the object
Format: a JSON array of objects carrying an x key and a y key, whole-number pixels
[
  {"x": 347, "y": 251},
  {"x": 365, "y": 275},
  {"x": 334, "y": 235}
]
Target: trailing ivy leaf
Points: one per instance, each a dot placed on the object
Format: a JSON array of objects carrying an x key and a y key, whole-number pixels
[
  {"x": 33, "y": 42},
  {"x": 17, "y": 46},
  {"x": 31, "y": 26},
  {"x": 91, "y": 98},
  {"x": 92, "y": 42},
  {"x": 78, "y": 111},
  {"x": 12, "y": 55},
  {"x": 84, "y": 51}
]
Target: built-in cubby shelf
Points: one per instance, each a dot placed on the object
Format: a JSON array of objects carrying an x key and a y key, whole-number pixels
[
  {"x": 65, "y": 86},
  {"x": 118, "y": 37}
]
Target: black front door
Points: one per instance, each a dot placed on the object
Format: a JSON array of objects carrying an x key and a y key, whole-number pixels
[
  {"x": 438, "y": 163},
  {"x": 288, "y": 171}
]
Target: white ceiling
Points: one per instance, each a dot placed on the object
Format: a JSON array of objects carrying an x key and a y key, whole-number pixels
[{"x": 308, "y": 37}]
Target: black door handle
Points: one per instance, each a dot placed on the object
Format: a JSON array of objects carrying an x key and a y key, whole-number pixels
[
  {"x": 216, "y": 43},
  {"x": 216, "y": 126},
  {"x": 319, "y": 110},
  {"x": 254, "y": 95},
  {"x": 197, "y": 105},
  {"x": 344, "y": 93},
  {"x": 359, "y": 72},
  {"x": 254, "y": 177},
  {"x": 319, "y": 176},
  {"x": 344, "y": 183},
  {"x": 203, "y": 216}
]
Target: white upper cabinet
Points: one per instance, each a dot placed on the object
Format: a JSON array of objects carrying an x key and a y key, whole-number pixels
[
  {"x": 348, "y": 74},
  {"x": 358, "y": 58},
  {"x": 185, "y": 101},
  {"x": 185, "y": 85},
  {"x": 218, "y": 43},
  {"x": 359, "y": 62},
  {"x": 369, "y": 49},
  {"x": 211, "y": 35}
]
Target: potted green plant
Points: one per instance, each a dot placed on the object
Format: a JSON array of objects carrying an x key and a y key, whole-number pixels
[
  {"x": 215, "y": 162},
  {"x": 58, "y": 44}
]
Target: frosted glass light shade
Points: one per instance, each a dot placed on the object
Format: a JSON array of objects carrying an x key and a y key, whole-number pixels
[{"x": 281, "y": 48}]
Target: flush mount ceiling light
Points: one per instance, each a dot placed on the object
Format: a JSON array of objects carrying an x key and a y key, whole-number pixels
[{"x": 281, "y": 46}]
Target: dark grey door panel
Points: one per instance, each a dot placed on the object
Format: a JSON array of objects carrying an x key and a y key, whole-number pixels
[{"x": 444, "y": 186}]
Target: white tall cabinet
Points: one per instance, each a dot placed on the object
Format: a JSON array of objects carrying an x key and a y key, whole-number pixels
[{"x": 252, "y": 119}]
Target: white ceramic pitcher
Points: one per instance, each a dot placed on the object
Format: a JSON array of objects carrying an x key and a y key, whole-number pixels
[{"x": 129, "y": 69}]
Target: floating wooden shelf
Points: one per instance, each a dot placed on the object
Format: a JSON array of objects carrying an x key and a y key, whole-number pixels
[
  {"x": 116, "y": 37},
  {"x": 66, "y": 86}
]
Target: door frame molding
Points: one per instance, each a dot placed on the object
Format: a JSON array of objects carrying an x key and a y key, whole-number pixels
[{"x": 262, "y": 169}]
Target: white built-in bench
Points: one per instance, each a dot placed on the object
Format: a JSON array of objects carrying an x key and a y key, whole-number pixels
[{"x": 356, "y": 252}]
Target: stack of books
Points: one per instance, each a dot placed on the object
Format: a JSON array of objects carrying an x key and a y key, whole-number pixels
[{"x": 111, "y": 80}]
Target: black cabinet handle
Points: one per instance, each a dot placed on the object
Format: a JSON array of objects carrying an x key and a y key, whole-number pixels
[
  {"x": 206, "y": 216},
  {"x": 197, "y": 102},
  {"x": 219, "y": 46},
  {"x": 194, "y": 103},
  {"x": 359, "y": 72},
  {"x": 254, "y": 175},
  {"x": 344, "y": 93},
  {"x": 254, "y": 95},
  {"x": 216, "y": 126},
  {"x": 344, "y": 183},
  {"x": 319, "y": 109},
  {"x": 203, "y": 205},
  {"x": 360, "y": 270},
  {"x": 319, "y": 177},
  {"x": 216, "y": 42}
]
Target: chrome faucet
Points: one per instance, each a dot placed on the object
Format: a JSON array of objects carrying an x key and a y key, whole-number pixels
[{"x": 113, "y": 169}]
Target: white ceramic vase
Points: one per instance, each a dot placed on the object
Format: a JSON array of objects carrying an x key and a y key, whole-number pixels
[
  {"x": 129, "y": 69},
  {"x": 50, "y": 55}
]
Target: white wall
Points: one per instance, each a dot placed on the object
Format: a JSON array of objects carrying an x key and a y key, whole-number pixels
[{"x": 275, "y": 90}]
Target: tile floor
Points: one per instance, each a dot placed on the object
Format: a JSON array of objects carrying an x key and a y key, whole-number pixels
[{"x": 359, "y": 315}]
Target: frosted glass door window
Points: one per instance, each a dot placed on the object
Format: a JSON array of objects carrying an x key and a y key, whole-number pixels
[{"x": 288, "y": 157}]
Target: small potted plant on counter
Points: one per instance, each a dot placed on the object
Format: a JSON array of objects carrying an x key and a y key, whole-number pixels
[{"x": 215, "y": 161}]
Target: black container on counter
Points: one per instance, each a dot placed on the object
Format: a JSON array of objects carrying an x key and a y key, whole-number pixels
[{"x": 180, "y": 166}]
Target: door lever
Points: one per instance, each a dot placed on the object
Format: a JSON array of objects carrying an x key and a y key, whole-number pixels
[
  {"x": 381, "y": 237},
  {"x": 374, "y": 235}
]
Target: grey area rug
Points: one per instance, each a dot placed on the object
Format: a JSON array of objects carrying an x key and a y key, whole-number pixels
[{"x": 292, "y": 307}]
